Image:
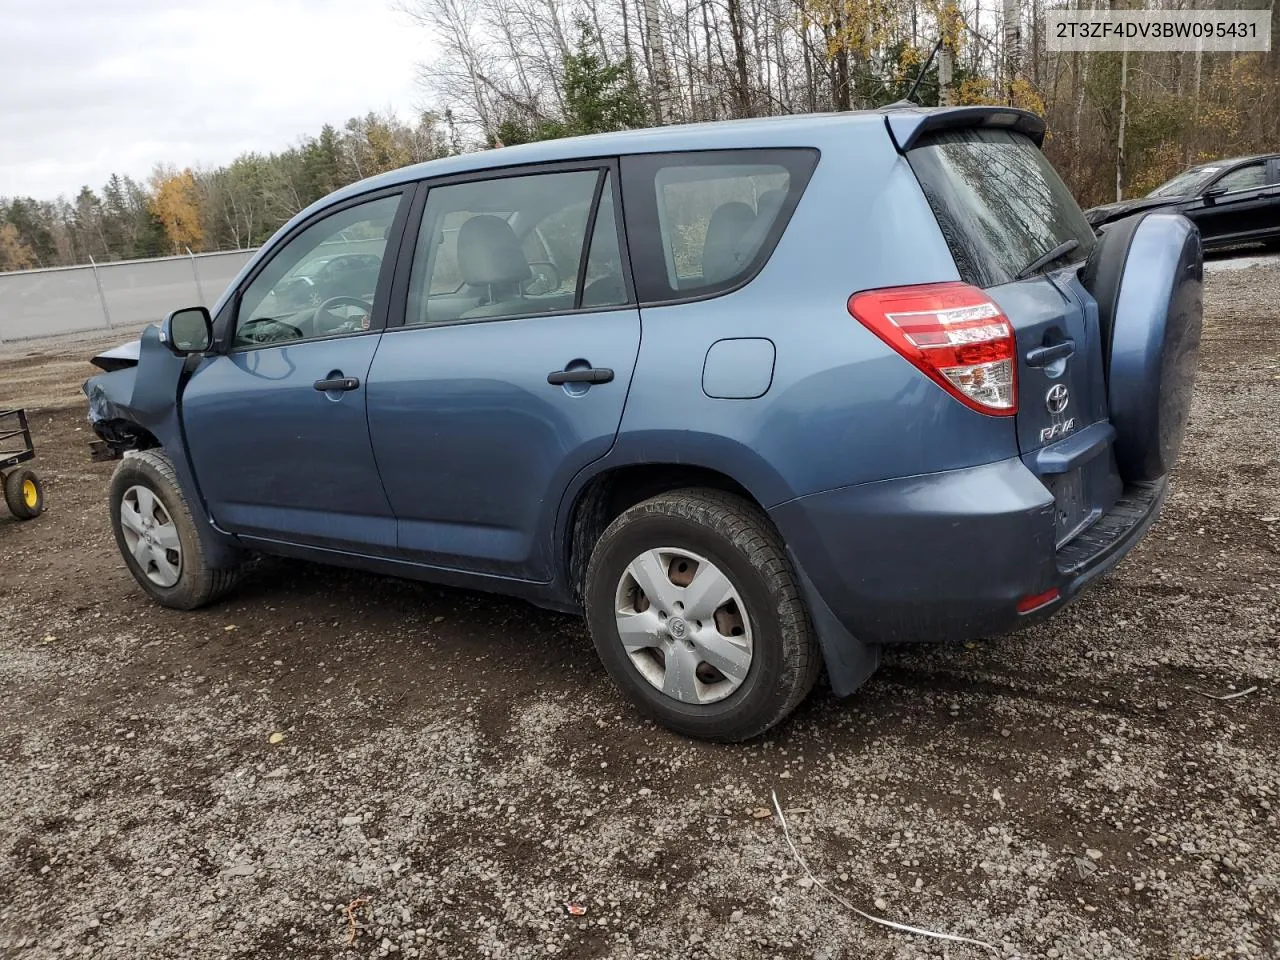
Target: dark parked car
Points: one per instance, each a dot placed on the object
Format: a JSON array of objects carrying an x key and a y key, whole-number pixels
[
  {"x": 1231, "y": 201},
  {"x": 780, "y": 393}
]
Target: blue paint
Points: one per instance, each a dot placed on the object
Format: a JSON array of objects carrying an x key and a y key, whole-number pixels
[
  {"x": 740, "y": 369},
  {"x": 277, "y": 458},
  {"x": 475, "y": 446},
  {"x": 908, "y": 515},
  {"x": 1155, "y": 344}
]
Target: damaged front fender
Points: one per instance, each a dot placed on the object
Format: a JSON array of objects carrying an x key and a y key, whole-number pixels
[
  {"x": 110, "y": 396},
  {"x": 137, "y": 408}
]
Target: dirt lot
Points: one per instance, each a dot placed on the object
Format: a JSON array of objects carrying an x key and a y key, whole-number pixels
[{"x": 460, "y": 765}]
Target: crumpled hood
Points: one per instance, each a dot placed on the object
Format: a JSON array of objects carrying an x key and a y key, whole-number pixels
[
  {"x": 117, "y": 358},
  {"x": 1108, "y": 212},
  {"x": 144, "y": 394}
]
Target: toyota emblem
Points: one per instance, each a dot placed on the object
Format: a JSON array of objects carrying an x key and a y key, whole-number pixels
[{"x": 1057, "y": 398}]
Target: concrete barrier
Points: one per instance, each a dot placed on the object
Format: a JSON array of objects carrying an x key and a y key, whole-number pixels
[{"x": 127, "y": 293}]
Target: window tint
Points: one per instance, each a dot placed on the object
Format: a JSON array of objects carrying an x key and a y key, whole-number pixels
[
  {"x": 1244, "y": 178},
  {"x": 998, "y": 201},
  {"x": 322, "y": 281},
  {"x": 511, "y": 247},
  {"x": 702, "y": 223}
]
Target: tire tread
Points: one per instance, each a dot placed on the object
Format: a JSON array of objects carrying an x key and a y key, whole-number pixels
[
  {"x": 747, "y": 530},
  {"x": 13, "y": 497},
  {"x": 203, "y": 585}
]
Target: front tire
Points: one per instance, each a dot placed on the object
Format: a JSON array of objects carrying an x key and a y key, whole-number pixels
[
  {"x": 695, "y": 611},
  {"x": 157, "y": 535}
]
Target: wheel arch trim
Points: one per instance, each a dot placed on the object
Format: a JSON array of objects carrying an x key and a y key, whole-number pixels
[{"x": 720, "y": 457}]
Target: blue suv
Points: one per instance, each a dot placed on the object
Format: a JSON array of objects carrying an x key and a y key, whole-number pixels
[{"x": 757, "y": 396}]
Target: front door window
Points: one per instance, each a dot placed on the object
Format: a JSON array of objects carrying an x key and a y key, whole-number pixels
[{"x": 322, "y": 282}]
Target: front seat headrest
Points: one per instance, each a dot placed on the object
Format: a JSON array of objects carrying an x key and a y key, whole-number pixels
[
  {"x": 720, "y": 251},
  {"x": 489, "y": 252}
]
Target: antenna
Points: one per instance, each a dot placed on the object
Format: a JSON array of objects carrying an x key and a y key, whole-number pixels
[{"x": 923, "y": 70}]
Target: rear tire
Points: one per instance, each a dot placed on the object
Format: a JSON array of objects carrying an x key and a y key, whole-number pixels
[
  {"x": 157, "y": 535},
  {"x": 24, "y": 494},
  {"x": 757, "y": 629}
]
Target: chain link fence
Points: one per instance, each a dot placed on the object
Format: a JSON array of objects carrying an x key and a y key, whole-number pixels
[{"x": 129, "y": 293}]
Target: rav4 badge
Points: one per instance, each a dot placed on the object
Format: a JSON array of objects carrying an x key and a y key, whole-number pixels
[{"x": 1058, "y": 430}]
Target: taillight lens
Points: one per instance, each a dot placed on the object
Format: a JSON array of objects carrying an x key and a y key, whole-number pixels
[{"x": 954, "y": 334}]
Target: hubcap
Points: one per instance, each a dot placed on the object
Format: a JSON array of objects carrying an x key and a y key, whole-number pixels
[
  {"x": 683, "y": 625},
  {"x": 151, "y": 536},
  {"x": 30, "y": 495}
]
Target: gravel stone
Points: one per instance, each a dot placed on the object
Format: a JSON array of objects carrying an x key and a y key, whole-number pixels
[{"x": 458, "y": 767}]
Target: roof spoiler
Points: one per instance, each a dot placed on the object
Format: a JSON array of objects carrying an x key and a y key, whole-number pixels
[{"x": 908, "y": 123}]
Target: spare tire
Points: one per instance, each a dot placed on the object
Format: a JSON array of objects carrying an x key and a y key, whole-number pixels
[{"x": 1147, "y": 274}]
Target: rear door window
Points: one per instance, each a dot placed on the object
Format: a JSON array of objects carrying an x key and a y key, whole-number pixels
[
  {"x": 516, "y": 246},
  {"x": 700, "y": 224},
  {"x": 999, "y": 202}
]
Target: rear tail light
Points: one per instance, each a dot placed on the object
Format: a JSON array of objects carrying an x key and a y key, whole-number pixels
[{"x": 954, "y": 334}]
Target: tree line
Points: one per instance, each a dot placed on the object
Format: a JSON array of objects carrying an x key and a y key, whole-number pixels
[
  {"x": 232, "y": 207},
  {"x": 510, "y": 71}
]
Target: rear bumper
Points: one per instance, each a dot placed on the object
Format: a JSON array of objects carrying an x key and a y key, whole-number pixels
[{"x": 948, "y": 556}]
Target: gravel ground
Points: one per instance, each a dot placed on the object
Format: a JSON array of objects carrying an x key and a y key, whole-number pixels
[{"x": 227, "y": 783}]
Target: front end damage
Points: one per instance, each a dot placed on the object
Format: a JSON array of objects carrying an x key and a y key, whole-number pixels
[
  {"x": 133, "y": 405},
  {"x": 109, "y": 414}
]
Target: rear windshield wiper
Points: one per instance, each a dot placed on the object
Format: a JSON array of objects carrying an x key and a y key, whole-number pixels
[{"x": 1061, "y": 250}]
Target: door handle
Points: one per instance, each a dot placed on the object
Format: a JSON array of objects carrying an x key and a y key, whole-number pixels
[
  {"x": 583, "y": 375},
  {"x": 338, "y": 383},
  {"x": 1043, "y": 356}
]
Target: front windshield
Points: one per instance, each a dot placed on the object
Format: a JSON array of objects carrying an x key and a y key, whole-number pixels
[{"x": 1185, "y": 184}]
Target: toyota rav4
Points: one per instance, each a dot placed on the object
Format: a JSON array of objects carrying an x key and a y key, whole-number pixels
[{"x": 757, "y": 396}]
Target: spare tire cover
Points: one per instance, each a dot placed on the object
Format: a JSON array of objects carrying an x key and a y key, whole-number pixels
[{"x": 1156, "y": 309}]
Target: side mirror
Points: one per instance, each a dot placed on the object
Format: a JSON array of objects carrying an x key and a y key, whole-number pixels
[
  {"x": 1213, "y": 192},
  {"x": 187, "y": 331}
]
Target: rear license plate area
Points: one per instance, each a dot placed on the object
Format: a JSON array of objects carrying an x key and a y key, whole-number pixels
[{"x": 1071, "y": 509}]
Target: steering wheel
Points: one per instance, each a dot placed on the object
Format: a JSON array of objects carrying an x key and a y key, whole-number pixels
[
  {"x": 248, "y": 333},
  {"x": 339, "y": 322}
]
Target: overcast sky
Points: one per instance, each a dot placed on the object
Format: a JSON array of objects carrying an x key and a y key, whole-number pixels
[{"x": 92, "y": 87}]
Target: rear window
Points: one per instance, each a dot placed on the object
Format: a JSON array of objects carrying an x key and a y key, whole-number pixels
[
  {"x": 999, "y": 202},
  {"x": 704, "y": 223}
]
